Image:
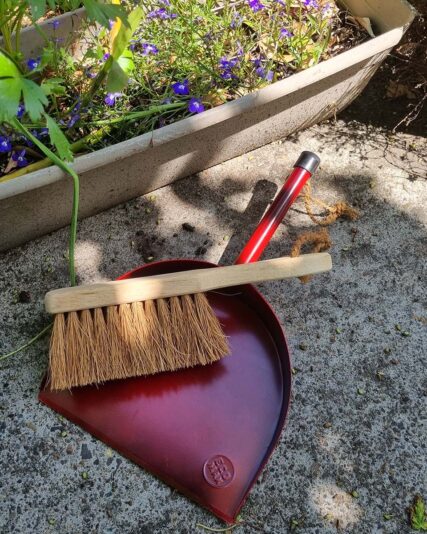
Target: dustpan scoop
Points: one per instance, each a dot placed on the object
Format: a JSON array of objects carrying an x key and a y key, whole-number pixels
[{"x": 207, "y": 431}]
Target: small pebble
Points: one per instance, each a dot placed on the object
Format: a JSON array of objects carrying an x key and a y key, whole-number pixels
[
  {"x": 201, "y": 251},
  {"x": 303, "y": 346},
  {"x": 85, "y": 452},
  {"x": 188, "y": 227},
  {"x": 24, "y": 297}
]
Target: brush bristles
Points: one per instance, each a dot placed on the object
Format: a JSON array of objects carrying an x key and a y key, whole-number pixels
[{"x": 138, "y": 339}]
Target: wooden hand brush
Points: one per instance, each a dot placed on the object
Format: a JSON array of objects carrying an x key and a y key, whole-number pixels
[{"x": 146, "y": 325}]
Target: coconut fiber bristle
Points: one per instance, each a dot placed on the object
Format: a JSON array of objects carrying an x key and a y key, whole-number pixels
[{"x": 137, "y": 339}]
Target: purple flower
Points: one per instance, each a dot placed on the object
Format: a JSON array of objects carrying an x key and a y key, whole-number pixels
[
  {"x": 226, "y": 66},
  {"x": 310, "y": 3},
  {"x": 89, "y": 73},
  {"x": 162, "y": 14},
  {"x": 225, "y": 63},
  {"x": 285, "y": 33},
  {"x": 256, "y": 5},
  {"x": 33, "y": 63},
  {"x": 236, "y": 21},
  {"x": 195, "y": 105},
  {"x": 20, "y": 158},
  {"x": 40, "y": 133},
  {"x": 181, "y": 88},
  {"x": 260, "y": 71},
  {"x": 20, "y": 111},
  {"x": 270, "y": 75},
  {"x": 72, "y": 120},
  {"x": 111, "y": 24},
  {"x": 58, "y": 40},
  {"x": 55, "y": 24},
  {"x": 5, "y": 144},
  {"x": 149, "y": 48},
  {"x": 106, "y": 56},
  {"x": 240, "y": 50},
  {"x": 111, "y": 98},
  {"x": 227, "y": 75},
  {"x": 133, "y": 43},
  {"x": 328, "y": 11}
]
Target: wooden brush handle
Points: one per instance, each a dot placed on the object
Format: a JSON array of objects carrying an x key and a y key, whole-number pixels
[{"x": 182, "y": 283}]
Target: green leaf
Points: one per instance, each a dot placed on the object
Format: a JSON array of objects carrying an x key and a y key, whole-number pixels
[
  {"x": 8, "y": 67},
  {"x": 12, "y": 84},
  {"x": 117, "y": 78},
  {"x": 59, "y": 140},
  {"x": 38, "y": 8},
  {"x": 103, "y": 13},
  {"x": 48, "y": 55},
  {"x": 126, "y": 62},
  {"x": 417, "y": 514},
  {"x": 53, "y": 86},
  {"x": 34, "y": 98},
  {"x": 10, "y": 95},
  {"x": 125, "y": 33}
]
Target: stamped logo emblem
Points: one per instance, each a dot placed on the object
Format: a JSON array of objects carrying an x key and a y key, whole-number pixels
[{"x": 218, "y": 471}]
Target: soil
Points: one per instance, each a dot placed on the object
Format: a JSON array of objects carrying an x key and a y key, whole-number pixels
[{"x": 400, "y": 83}]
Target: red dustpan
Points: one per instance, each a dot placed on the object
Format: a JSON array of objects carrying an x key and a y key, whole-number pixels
[{"x": 207, "y": 431}]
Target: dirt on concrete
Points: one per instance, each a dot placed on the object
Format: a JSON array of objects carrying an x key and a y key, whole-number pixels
[{"x": 400, "y": 85}]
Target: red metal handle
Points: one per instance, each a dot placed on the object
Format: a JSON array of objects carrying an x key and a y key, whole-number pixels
[{"x": 303, "y": 169}]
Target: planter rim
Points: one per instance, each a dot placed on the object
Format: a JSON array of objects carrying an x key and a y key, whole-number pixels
[
  {"x": 190, "y": 125},
  {"x": 61, "y": 17}
]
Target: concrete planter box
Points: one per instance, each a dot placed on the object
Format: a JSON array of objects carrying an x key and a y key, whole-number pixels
[
  {"x": 32, "y": 41},
  {"x": 40, "y": 202}
]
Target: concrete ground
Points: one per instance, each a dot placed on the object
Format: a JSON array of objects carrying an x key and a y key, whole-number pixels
[{"x": 352, "y": 455}]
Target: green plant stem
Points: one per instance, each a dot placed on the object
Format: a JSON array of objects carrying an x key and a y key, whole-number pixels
[
  {"x": 7, "y": 38},
  {"x": 93, "y": 137},
  {"x": 18, "y": 28},
  {"x": 76, "y": 186},
  {"x": 96, "y": 84},
  {"x": 135, "y": 115},
  {"x": 32, "y": 340}
]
